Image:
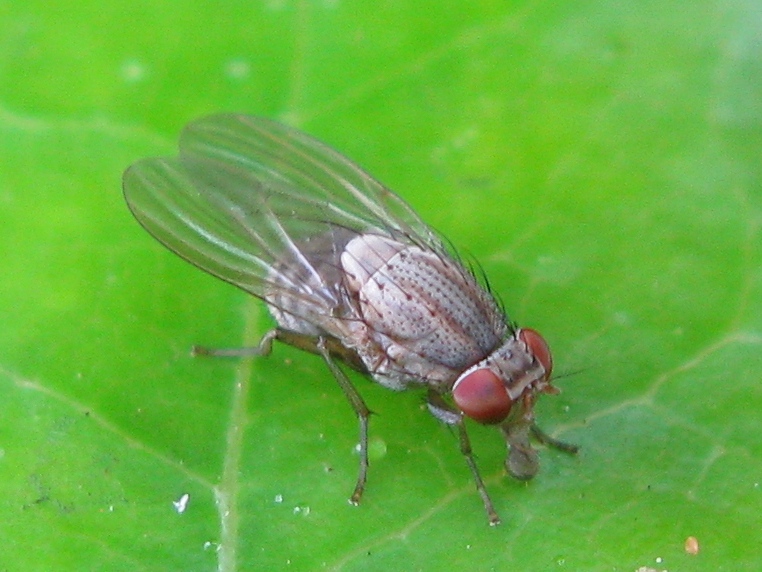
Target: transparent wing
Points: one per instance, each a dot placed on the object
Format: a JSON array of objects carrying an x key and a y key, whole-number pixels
[{"x": 245, "y": 194}]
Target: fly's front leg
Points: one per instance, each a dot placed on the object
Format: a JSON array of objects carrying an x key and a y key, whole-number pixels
[
  {"x": 440, "y": 409},
  {"x": 546, "y": 439},
  {"x": 522, "y": 461},
  {"x": 361, "y": 410}
]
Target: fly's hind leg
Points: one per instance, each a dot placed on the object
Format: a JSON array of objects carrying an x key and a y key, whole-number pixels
[
  {"x": 263, "y": 348},
  {"x": 305, "y": 342}
]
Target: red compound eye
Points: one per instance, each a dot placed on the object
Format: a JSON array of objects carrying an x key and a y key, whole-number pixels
[
  {"x": 482, "y": 396},
  {"x": 538, "y": 347}
]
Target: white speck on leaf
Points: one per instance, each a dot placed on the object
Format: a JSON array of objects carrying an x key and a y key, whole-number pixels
[
  {"x": 182, "y": 503},
  {"x": 133, "y": 71},
  {"x": 238, "y": 69}
]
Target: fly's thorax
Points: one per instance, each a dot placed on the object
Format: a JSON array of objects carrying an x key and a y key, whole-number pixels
[
  {"x": 514, "y": 373},
  {"x": 426, "y": 318}
]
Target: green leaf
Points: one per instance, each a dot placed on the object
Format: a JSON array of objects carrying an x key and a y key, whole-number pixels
[{"x": 600, "y": 159}]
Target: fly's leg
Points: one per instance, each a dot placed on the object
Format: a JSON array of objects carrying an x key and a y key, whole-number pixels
[
  {"x": 327, "y": 348},
  {"x": 300, "y": 341},
  {"x": 263, "y": 348},
  {"x": 361, "y": 410},
  {"x": 445, "y": 413},
  {"x": 523, "y": 462},
  {"x": 546, "y": 439}
]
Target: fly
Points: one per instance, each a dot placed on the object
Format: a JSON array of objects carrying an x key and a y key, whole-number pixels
[{"x": 350, "y": 273}]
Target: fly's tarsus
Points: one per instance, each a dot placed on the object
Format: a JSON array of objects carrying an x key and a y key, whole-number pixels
[{"x": 263, "y": 348}]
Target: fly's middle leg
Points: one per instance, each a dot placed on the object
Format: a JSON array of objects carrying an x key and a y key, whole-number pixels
[
  {"x": 360, "y": 409},
  {"x": 327, "y": 348}
]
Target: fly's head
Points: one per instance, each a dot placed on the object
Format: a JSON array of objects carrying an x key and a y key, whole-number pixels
[
  {"x": 501, "y": 390},
  {"x": 502, "y": 387}
]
